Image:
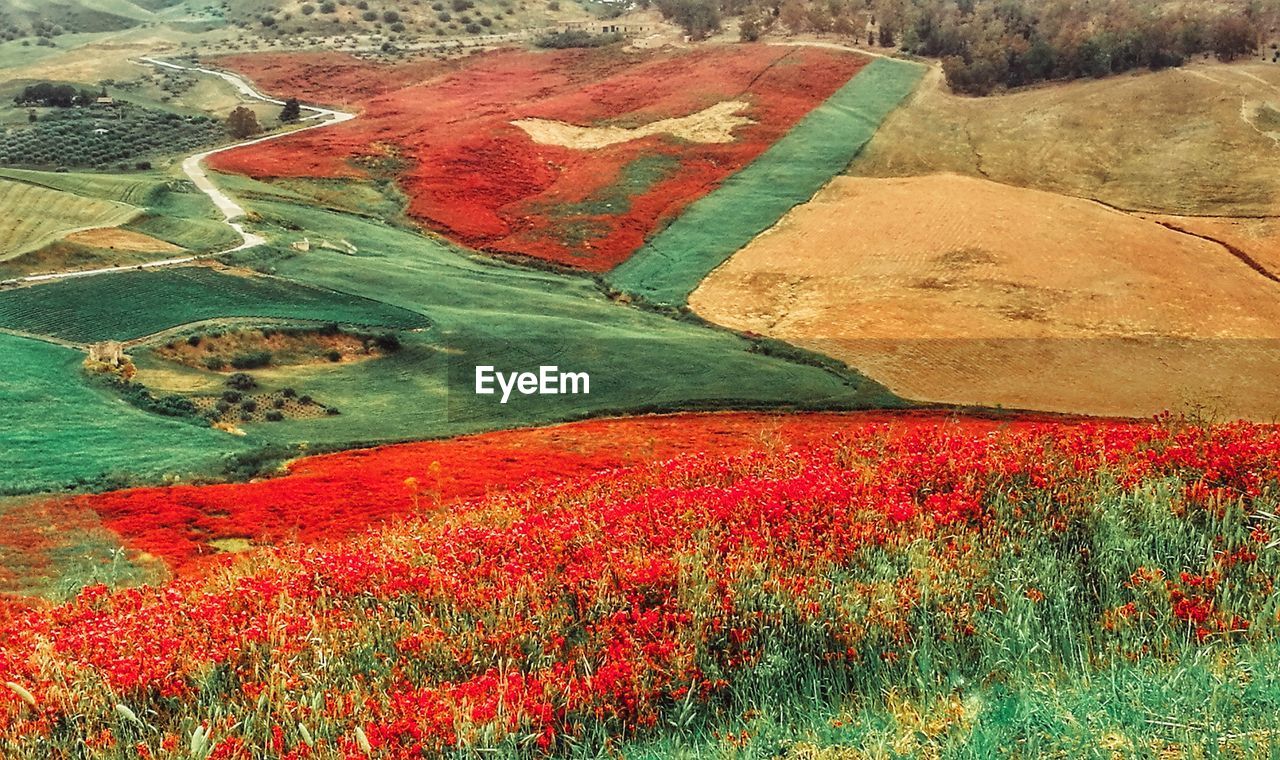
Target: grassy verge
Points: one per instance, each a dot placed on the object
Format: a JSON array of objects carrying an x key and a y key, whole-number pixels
[
  {"x": 57, "y": 430},
  {"x": 676, "y": 259}
]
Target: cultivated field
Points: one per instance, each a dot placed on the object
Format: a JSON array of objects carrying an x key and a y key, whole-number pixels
[
  {"x": 450, "y": 133},
  {"x": 674, "y": 261},
  {"x": 961, "y": 290},
  {"x": 1194, "y": 141},
  {"x": 57, "y": 431},
  {"x": 134, "y": 304},
  {"x": 33, "y": 216}
]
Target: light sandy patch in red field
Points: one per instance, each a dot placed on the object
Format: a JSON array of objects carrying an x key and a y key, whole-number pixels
[{"x": 446, "y": 131}]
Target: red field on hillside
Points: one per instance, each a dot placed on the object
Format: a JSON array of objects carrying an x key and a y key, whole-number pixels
[
  {"x": 334, "y": 496},
  {"x": 446, "y": 130},
  {"x": 684, "y": 593}
]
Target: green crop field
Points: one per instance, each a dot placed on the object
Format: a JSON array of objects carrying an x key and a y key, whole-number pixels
[
  {"x": 488, "y": 312},
  {"x": 133, "y": 304},
  {"x": 480, "y": 311},
  {"x": 57, "y": 431},
  {"x": 668, "y": 268},
  {"x": 172, "y": 210},
  {"x": 31, "y": 216}
]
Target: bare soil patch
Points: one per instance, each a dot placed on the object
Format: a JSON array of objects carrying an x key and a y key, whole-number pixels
[
  {"x": 116, "y": 239},
  {"x": 230, "y": 351},
  {"x": 953, "y": 289},
  {"x": 713, "y": 124}
]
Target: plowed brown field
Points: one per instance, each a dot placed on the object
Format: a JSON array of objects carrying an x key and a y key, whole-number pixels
[{"x": 955, "y": 289}]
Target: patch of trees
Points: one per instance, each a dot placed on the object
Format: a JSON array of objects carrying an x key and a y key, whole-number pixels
[
  {"x": 291, "y": 112},
  {"x": 242, "y": 123},
  {"x": 988, "y": 44},
  {"x": 100, "y": 138},
  {"x": 698, "y": 18},
  {"x": 52, "y": 95}
]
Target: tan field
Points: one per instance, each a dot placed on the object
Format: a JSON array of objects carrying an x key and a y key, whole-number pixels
[
  {"x": 1180, "y": 141},
  {"x": 116, "y": 239},
  {"x": 955, "y": 289},
  {"x": 714, "y": 124},
  {"x": 32, "y": 216}
]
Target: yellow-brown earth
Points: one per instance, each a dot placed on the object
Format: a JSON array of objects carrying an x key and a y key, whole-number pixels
[{"x": 955, "y": 289}]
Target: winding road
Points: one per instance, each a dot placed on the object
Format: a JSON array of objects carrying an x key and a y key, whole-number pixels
[{"x": 193, "y": 167}]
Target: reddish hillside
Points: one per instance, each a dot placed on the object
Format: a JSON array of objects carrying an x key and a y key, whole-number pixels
[
  {"x": 688, "y": 595},
  {"x": 334, "y": 496},
  {"x": 474, "y": 176}
]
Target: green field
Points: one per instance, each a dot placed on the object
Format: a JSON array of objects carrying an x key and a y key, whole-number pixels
[
  {"x": 670, "y": 266},
  {"x": 480, "y": 311},
  {"x": 135, "y": 303},
  {"x": 32, "y": 216},
  {"x": 172, "y": 209},
  {"x": 488, "y": 312},
  {"x": 57, "y": 431}
]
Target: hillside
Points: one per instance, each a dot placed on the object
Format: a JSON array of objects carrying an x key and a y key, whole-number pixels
[{"x": 932, "y": 589}]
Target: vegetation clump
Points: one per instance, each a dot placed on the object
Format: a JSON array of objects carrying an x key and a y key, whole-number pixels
[
  {"x": 96, "y": 138},
  {"x": 576, "y": 38}
]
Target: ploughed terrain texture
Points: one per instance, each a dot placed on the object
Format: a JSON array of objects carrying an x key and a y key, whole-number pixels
[{"x": 955, "y": 289}]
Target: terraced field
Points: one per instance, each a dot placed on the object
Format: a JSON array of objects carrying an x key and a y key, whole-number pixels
[
  {"x": 32, "y": 216},
  {"x": 133, "y": 304}
]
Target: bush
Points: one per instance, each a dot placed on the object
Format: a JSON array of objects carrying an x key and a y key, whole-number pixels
[
  {"x": 232, "y": 397},
  {"x": 249, "y": 406},
  {"x": 334, "y": 356},
  {"x": 251, "y": 360},
  {"x": 575, "y": 38},
  {"x": 241, "y": 382},
  {"x": 274, "y": 416}
]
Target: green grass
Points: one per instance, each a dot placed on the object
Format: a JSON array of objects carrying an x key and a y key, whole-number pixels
[
  {"x": 480, "y": 311},
  {"x": 173, "y": 209},
  {"x": 489, "y": 312},
  {"x": 670, "y": 266},
  {"x": 57, "y": 430},
  {"x": 133, "y": 304}
]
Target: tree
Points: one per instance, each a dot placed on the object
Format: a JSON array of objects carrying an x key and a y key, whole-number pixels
[
  {"x": 243, "y": 123},
  {"x": 1233, "y": 38},
  {"x": 291, "y": 112}
]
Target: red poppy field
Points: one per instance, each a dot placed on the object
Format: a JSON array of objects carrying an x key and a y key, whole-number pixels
[
  {"x": 333, "y": 496},
  {"x": 446, "y": 131},
  {"x": 936, "y": 563}
]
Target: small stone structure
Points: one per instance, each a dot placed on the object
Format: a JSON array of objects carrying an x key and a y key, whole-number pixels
[{"x": 108, "y": 352}]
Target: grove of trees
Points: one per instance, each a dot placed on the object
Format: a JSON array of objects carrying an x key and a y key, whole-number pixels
[{"x": 985, "y": 45}]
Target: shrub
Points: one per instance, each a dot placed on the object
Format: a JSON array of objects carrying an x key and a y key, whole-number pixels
[
  {"x": 242, "y": 382},
  {"x": 251, "y": 360},
  {"x": 274, "y": 416}
]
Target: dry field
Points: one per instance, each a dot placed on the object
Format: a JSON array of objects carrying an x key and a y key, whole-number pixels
[
  {"x": 1181, "y": 141},
  {"x": 955, "y": 289},
  {"x": 32, "y": 216},
  {"x": 116, "y": 239}
]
